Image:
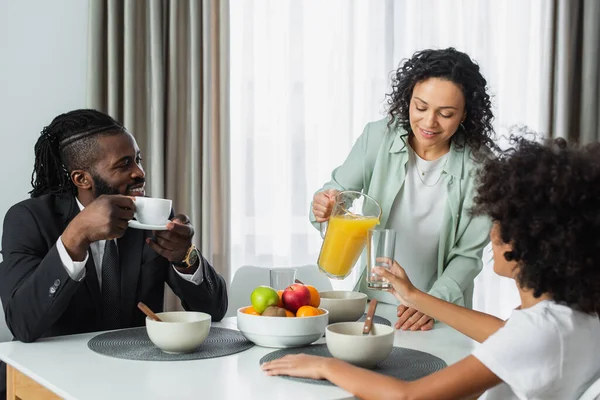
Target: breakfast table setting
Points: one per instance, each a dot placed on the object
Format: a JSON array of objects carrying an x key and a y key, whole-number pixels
[
  {"x": 186, "y": 355},
  {"x": 72, "y": 367}
]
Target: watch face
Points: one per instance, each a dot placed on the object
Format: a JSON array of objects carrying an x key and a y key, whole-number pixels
[{"x": 193, "y": 257}]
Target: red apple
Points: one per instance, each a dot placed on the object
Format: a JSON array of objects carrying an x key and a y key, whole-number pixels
[{"x": 295, "y": 296}]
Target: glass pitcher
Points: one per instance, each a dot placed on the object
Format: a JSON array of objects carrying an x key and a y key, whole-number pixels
[{"x": 345, "y": 234}]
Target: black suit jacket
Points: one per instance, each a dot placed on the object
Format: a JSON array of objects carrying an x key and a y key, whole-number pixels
[{"x": 40, "y": 299}]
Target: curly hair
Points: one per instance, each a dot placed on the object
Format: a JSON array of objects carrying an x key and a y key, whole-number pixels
[
  {"x": 546, "y": 201},
  {"x": 457, "y": 67}
]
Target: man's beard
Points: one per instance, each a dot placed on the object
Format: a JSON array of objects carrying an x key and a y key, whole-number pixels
[{"x": 102, "y": 187}]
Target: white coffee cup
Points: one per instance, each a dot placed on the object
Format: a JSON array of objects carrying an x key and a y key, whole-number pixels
[{"x": 152, "y": 211}]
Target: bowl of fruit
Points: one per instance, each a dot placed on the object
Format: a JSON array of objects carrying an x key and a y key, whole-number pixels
[{"x": 288, "y": 318}]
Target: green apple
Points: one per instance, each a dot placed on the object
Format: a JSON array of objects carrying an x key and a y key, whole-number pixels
[{"x": 263, "y": 297}]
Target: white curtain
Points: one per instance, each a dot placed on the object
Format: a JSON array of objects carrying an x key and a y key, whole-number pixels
[{"x": 306, "y": 76}]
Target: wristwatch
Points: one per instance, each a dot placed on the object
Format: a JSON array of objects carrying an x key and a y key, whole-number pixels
[{"x": 191, "y": 257}]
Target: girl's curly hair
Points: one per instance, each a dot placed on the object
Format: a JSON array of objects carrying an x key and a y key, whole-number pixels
[
  {"x": 455, "y": 66},
  {"x": 546, "y": 200}
]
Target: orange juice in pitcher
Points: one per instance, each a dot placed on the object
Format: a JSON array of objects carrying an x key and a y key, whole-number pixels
[
  {"x": 345, "y": 240},
  {"x": 353, "y": 215}
]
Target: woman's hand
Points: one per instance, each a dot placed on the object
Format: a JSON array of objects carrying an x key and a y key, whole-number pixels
[
  {"x": 411, "y": 319},
  {"x": 403, "y": 289},
  {"x": 323, "y": 204},
  {"x": 300, "y": 365}
]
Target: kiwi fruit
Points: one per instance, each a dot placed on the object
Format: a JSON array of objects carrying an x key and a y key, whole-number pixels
[{"x": 273, "y": 311}]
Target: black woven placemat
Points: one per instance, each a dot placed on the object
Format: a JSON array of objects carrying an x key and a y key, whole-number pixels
[
  {"x": 376, "y": 320},
  {"x": 405, "y": 364},
  {"x": 134, "y": 344}
]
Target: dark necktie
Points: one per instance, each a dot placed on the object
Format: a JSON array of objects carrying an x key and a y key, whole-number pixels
[{"x": 111, "y": 286}]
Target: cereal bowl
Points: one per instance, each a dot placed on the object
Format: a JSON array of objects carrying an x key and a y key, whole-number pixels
[
  {"x": 346, "y": 341},
  {"x": 343, "y": 305},
  {"x": 179, "y": 331}
]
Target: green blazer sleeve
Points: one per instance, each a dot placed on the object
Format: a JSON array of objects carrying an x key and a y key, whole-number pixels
[
  {"x": 355, "y": 173},
  {"x": 464, "y": 263}
]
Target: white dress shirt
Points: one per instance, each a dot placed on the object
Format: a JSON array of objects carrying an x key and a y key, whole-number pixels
[{"x": 76, "y": 269}]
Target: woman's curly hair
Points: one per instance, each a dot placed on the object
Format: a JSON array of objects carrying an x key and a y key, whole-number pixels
[
  {"x": 546, "y": 201},
  {"x": 455, "y": 66}
]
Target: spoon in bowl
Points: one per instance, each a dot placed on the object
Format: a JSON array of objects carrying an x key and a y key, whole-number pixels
[
  {"x": 369, "y": 320},
  {"x": 148, "y": 312}
]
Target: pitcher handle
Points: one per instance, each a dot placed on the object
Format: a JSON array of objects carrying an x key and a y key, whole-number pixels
[{"x": 323, "y": 229}]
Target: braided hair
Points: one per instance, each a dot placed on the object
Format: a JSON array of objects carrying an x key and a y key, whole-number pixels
[{"x": 68, "y": 143}]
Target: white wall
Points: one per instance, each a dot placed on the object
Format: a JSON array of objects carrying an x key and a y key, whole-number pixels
[{"x": 43, "y": 67}]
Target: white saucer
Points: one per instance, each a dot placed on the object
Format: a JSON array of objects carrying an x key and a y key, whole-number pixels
[{"x": 138, "y": 225}]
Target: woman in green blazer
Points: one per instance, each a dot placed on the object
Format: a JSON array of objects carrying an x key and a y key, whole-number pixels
[{"x": 420, "y": 164}]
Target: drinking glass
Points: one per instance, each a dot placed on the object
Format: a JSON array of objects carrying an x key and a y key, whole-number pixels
[
  {"x": 281, "y": 278},
  {"x": 380, "y": 244}
]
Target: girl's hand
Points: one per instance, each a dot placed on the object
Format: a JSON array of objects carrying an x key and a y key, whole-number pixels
[
  {"x": 402, "y": 287},
  {"x": 300, "y": 365}
]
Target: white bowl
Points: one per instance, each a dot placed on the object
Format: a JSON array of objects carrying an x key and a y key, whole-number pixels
[
  {"x": 346, "y": 341},
  {"x": 281, "y": 332},
  {"x": 179, "y": 331},
  {"x": 343, "y": 305}
]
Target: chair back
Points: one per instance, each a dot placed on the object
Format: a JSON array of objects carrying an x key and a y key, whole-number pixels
[{"x": 592, "y": 392}]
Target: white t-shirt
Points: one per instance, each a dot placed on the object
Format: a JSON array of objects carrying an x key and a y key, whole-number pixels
[
  {"x": 416, "y": 216},
  {"x": 548, "y": 351}
]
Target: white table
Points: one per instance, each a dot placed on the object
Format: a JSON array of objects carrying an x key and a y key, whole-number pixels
[{"x": 68, "y": 368}]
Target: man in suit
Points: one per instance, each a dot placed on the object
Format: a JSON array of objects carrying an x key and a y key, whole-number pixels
[{"x": 70, "y": 262}]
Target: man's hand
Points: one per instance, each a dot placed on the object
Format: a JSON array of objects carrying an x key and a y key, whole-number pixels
[
  {"x": 174, "y": 243},
  {"x": 323, "y": 204},
  {"x": 105, "y": 218}
]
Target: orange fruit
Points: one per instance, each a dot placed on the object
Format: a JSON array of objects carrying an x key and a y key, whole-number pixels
[
  {"x": 288, "y": 313},
  {"x": 280, "y": 293},
  {"x": 308, "y": 311},
  {"x": 250, "y": 310},
  {"x": 315, "y": 299}
]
